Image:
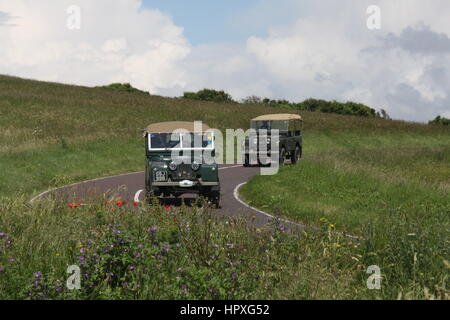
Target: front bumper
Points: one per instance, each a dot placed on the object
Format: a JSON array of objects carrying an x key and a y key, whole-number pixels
[{"x": 185, "y": 184}]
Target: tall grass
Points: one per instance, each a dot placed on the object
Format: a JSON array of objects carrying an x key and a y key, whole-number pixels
[{"x": 165, "y": 253}]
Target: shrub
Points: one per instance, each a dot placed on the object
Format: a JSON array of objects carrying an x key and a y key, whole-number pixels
[
  {"x": 209, "y": 95},
  {"x": 440, "y": 121},
  {"x": 124, "y": 87}
]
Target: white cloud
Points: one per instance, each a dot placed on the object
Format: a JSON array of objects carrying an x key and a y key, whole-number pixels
[
  {"x": 326, "y": 52},
  {"x": 118, "y": 41}
]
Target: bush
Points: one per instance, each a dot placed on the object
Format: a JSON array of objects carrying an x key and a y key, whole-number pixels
[
  {"x": 124, "y": 87},
  {"x": 440, "y": 121},
  {"x": 209, "y": 95}
]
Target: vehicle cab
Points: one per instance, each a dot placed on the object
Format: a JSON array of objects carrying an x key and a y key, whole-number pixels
[
  {"x": 180, "y": 159},
  {"x": 290, "y": 142}
]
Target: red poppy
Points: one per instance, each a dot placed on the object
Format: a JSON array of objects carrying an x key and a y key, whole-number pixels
[
  {"x": 168, "y": 208},
  {"x": 136, "y": 204},
  {"x": 120, "y": 203},
  {"x": 73, "y": 206}
]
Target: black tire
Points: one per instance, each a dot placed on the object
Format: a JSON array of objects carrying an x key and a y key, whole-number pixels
[
  {"x": 247, "y": 161},
  {"x": 215, "y": 199},
  {"x": 282, "y": 158},
  {"x": 295, "y": 157}
]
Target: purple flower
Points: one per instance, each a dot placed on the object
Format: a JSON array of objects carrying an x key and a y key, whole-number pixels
[
  {"x": 152, "y": 231},
  {"x": 137, "y": 255},
  {"x": 82, "y": 250},
  {"x": 124, "y": 284},
  {"x": 213, "y": 291},
  {"x": 230, "y": 245},
  {"x": 234, "y": 275},
  {"x": 38, "y": 275},
  {"x": 184, "y": 289},
  {"x": 82, "y": 259},
  {"x": 2, "y": 234},
  {"x": 282, "y": 228},
  {"x": 2, "y": 268},
  {"x": 12, "y": 260},
  {"x": 35, "y": 283},
  {"x": 132, "y": 268}
]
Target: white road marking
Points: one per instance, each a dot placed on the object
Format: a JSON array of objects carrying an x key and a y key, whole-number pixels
[
  {"x": 97, "y": 179},
  {"x": 136, "y": 196},
  {"x": 236, "y": 196}
]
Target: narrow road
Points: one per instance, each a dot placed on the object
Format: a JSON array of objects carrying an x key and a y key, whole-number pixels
[{"x": 130, "y": 188}]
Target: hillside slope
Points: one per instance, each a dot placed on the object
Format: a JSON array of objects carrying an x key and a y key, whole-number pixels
[{"x": 53, "y": 134}]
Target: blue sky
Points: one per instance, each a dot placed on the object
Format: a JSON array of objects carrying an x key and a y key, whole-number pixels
[{"x": 212, "y": 21}]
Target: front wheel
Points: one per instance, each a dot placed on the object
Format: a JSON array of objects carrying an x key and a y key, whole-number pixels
[
  {"x": 296, "y": 155},
  {"x": 282, "y": 158}
]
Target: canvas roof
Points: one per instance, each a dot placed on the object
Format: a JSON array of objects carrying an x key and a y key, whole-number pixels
[
  {"x": 280, "y": 117},
  {"x": 169, "y": 127}
]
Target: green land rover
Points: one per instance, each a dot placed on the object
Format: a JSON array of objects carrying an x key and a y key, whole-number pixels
[
  {"x": 180, "y": 160},
  {"x": 289, "y": 126}
]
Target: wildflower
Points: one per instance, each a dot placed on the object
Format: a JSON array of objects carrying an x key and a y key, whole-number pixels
[
  {"x": 38, "y": 275},
  {"x": 213, "y": 291},
  {"x": 234, "y": 275},
  {"x": 137, "y": 255},
  {"x": 82, "y": 259},
  {"x": 2, "y": 268},
  {"x": 114, "y": 230},
  {"x": 152, "y": 230},
  {"x": 124, "y": 284},
  {"x": 132, "y": 268},
  {"x": 230, "y": 245},
  {"x": 136, "y": 204},
  {"x": 323, "y": 219},
  {"x": 120, "y": 203},
  {"x": 282, "y": 228},
  {"x": 11, "y": 260},
  {"x": 184, "y": 289},
  {"x": 2, "y": 234},
  {"x": 331, "y": 225},
  {"x": 168, "y": 208},
  {"x": 180, "y": 270},
  {"x": 73, "y": 206}
]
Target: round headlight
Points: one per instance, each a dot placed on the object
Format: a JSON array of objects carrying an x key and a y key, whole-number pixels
[
  {"x": 173, "y": 166},
  {"x": 195, "y": 166}
]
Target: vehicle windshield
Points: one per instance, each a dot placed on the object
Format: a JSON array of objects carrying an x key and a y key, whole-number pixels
[
  {"x": 184, "y": 141},
  {"x": 270, "y": 125},
  {"x": 164, "y": 140}
]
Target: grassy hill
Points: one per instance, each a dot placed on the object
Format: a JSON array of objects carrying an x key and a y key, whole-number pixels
[
  {"x": 52, "y": 134},
  {"x": 385, "y": 181}
]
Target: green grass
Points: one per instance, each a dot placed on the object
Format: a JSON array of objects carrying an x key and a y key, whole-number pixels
[
  {"x": 385, "y": 181},
  {"x": 49, "y": 130},
  {"x": 152, "y": 253}
]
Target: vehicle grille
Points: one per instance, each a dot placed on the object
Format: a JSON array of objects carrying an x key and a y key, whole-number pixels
[{"x": 183, "y": 172}]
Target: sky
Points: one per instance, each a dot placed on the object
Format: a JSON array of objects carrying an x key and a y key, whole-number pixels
[{"x": 281, "y": 49}]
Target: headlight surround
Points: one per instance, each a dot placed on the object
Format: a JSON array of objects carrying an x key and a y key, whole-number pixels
[
  {"x": 173, "y": 166},
  {"x": 195, "y": 166}
]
